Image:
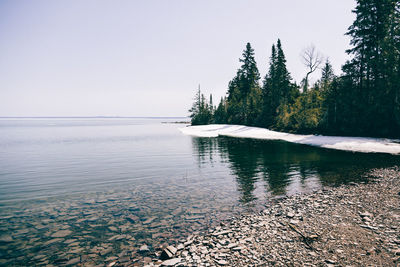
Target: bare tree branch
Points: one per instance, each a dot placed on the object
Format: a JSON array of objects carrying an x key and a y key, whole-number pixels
[{"x": 312, "y": 59}]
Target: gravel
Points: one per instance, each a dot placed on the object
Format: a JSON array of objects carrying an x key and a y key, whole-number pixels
[{"x": 351, "y": 225}]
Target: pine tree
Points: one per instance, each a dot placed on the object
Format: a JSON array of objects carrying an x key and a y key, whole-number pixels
[
  {"x": 282, "y": 74},
  {"x": 241, "y": 89},
  {"x": 277, "y": 89},
  {"x": 220, "y": 114},
  {"x": 195, "y": 109},
  {"x": 372, "y": 74},
  {"x": 249, "y": 75},
  {"x": 270, "y": 97},
  {"x": 201, "y": 111},
  {"x": 327, "y": 74}
]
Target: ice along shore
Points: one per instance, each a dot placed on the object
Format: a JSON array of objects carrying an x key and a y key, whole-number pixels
[
  {"x": 352, "y": 225},
  {"x": 355, "y": 144}
]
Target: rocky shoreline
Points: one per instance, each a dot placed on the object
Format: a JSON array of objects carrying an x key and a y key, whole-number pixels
[{"x": 351, "y": 225}]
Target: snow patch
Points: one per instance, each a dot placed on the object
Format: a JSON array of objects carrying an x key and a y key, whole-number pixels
[{"x": 356, "y": 144}]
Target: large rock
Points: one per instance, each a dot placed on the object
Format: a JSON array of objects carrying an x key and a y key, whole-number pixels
[{"x": 168, "y": 253}]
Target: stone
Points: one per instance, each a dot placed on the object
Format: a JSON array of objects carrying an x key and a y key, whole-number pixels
[
  {"x": 132, "y": 219},
  {"x": 171, "y": 262},
  {"x": 222, "y": 262},
  {"x": 149, "y": 220},
  {"x": 312, "y": 253},
  {"x": 222, "y": 233},
  {"x": 62, "y": 233},
  {"x": 73, "y": 261},
  {"x": 52, "y": 241},
  {"x": 144, "y": 248},
  {"x": 232, "y": 245},
  {"x": 368, "y": 227},
  {"x": 290, "y": 215},
  {"x": 105, "y": 251},
  {"x": 365, "y": 214},
  {"x": 188, "y": 243},
  {"x": 168, "y": 253},
  {"x": 113, "y": 228},
  {"x": 330, "y": 261}
]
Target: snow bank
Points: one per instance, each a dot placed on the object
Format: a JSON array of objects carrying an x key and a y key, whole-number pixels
[{"x": 356, "y": 144}]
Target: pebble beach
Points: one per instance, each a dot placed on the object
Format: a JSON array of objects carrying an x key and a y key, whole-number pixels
[{"x": 352, "y": 225}]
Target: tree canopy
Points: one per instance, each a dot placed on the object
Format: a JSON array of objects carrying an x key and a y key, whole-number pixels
[{"x": 364, "y": 100}]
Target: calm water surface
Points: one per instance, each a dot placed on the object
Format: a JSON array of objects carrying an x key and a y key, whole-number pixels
[{"x": 96, "y": 188}]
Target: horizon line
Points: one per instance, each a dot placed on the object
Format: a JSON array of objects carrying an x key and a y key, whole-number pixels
[{"x": 104, "y": 117}]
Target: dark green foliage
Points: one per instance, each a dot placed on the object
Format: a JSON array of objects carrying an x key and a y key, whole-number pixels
[
  {"x": 327, "y": 75},
  {"x": 220, "y": 114},
  {"x": 277, "y": 90},
  {"x": 371, "y": 78},
  {"x": 364, "y": 101},
  {"x": 202, "y": 110},
  {"x": 243, "y": 105},
  {"x": 304, "y": 115}
]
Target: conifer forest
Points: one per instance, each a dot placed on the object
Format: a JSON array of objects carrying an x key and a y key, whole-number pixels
[{"x": 364, "y": 100}]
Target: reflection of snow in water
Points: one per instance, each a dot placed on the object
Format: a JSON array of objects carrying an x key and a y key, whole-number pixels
[{"x": 356, "y": 144}]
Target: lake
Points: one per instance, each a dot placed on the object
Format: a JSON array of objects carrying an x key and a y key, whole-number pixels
[{"x": 98, "y": 188}]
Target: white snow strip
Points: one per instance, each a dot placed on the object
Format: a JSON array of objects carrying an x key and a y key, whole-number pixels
[{"x": 356, "y": 144}]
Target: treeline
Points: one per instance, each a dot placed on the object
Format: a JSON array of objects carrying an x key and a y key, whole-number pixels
[{"x": 364, "y": 100}]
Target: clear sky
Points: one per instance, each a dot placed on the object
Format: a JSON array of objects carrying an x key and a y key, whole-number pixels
[{"x": 146, "y": 58}]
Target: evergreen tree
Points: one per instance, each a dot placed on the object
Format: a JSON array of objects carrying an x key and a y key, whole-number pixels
[
  {"x": 365, "y": 100},
  {"x": 242, "y": 90},
  {"x": 282, "y": 74},
  {"x": 372, "y": 75},
  {"x": 195, "y": 109},
  {"x": 249, "y": 75},
  {"x": 211, "y": 104},
  {"x": 277, "y": 89},
  {"x": 327, "y": 74},
  {"x": 201, "y": 111},
  {"x": 220, "y": 114},
  {"x": 270, "y": 97}
]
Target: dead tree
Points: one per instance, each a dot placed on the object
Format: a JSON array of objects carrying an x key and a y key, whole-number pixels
[{"x": 311, "y": 58}]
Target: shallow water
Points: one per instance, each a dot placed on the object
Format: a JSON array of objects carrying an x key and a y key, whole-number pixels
[{"x": 95, "y": 188}]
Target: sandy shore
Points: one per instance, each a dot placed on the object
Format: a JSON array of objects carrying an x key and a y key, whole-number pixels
[
  {"x": 356, "y": 144},
  {"x": 352, "y": 225}
]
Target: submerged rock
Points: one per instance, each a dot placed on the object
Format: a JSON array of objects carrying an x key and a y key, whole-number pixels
[
  {"x": 73, "y": 261},
  {"x": 6, "y": 238},
  {"x": 62, "y": 233},
  {"x": 324, "y": 230}
]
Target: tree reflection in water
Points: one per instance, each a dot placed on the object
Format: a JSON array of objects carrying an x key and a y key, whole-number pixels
[{"x": 284, "y": 168}]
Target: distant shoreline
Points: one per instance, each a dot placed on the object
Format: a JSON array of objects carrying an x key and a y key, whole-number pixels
[
  {"x": 176, "y": 122},
  {"x": 87, "y": 117}
]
